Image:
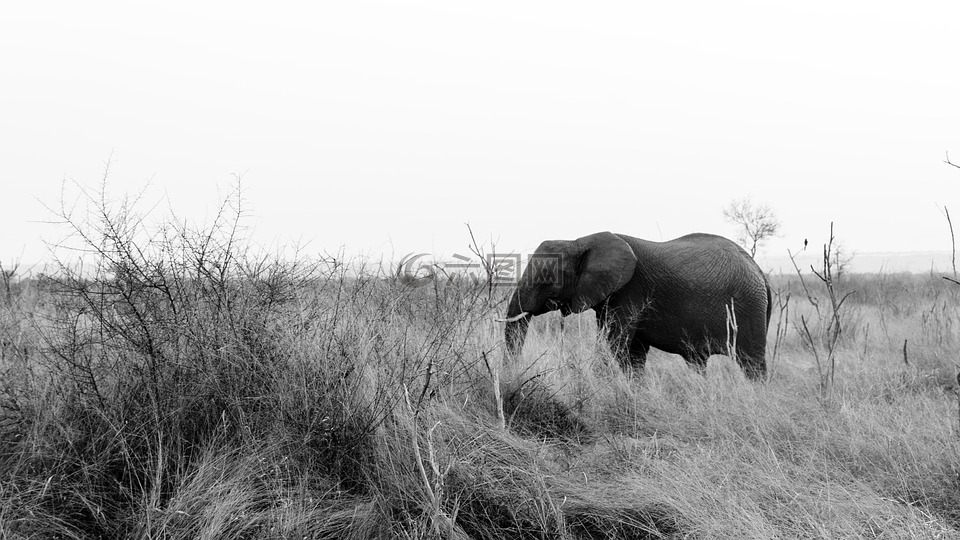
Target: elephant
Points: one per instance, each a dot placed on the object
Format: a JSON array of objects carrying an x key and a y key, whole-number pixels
[{"x": 675, "y": 295}]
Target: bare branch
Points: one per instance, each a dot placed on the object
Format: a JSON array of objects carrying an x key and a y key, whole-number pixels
[
  {"x": 813, "y": 301},
  {"x": 948, "y": 162},
  {"x": 953, "y": 240},
  {"x": 829, "y": 325}
]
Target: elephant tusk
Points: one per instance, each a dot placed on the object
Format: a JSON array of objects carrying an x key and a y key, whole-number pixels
[{"x": 514, "y": 319}]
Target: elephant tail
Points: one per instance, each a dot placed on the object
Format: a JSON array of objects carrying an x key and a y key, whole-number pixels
[{"x": 769, "y": 301}]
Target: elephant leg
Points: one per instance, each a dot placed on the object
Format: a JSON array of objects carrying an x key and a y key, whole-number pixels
[
  {"x": 601, "y": 312},
  {"x": 751, "y": 357},
  {"x": 619, "y": 335},
  {"x": 638, "y": 352}
]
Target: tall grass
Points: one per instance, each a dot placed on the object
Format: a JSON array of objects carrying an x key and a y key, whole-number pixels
[{"x": 175, "y": 382}]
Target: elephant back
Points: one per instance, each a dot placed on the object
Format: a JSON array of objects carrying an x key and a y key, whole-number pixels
[{"x": 691, "y": 280}]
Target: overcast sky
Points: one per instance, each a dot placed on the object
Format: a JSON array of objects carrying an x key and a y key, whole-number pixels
[{"x": 384, "y": 127}]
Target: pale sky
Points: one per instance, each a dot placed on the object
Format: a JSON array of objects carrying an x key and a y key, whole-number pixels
[{"x": 382, "y": 127}]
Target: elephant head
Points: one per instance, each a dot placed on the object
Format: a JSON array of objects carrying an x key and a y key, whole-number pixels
[{"x": 569, "y": 275}]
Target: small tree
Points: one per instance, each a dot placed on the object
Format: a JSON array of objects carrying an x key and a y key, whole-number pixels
[
  {"x": 827, "y": 325},
  {"x": 756, "y": 224},
  {"x": 842, "y": 258}
]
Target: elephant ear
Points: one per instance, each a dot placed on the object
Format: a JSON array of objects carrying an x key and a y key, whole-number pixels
[{"x": 607, "y": 263}]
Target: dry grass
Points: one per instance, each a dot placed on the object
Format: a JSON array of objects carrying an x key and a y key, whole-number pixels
[{"x": 165, "y": 394}]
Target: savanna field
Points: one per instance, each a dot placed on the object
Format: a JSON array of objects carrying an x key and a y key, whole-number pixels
[{"x": 181, "y": 383}]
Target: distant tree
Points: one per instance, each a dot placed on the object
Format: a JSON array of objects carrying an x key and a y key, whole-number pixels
[
  {"x": 756, "y": 223},
  {"x": 842, "y": 257}
]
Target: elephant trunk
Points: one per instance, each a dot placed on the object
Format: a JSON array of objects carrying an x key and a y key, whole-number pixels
[{"x": 515, "y": 328}]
